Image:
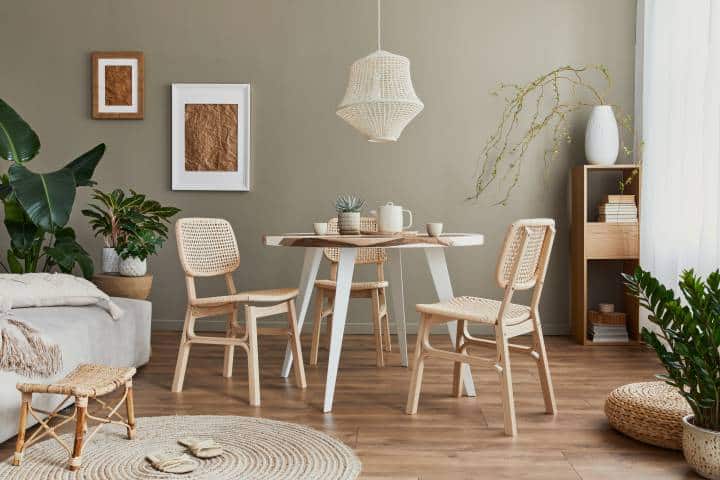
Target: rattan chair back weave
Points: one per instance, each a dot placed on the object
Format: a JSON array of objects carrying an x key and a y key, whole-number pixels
[
  {"x": 364, "y": 255},
  {"x": 206, "y": 246},
  {"x": 528, "y": 243}
]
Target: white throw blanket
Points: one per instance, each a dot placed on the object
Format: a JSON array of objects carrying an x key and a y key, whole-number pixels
[
  {"x": 52, "y": 290},
  {"x": 23, "y": 350}
]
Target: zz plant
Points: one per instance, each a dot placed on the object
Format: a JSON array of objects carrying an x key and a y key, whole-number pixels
[
  {"x": 37, "y": 206},
  {"x": 688, "y": 340}
]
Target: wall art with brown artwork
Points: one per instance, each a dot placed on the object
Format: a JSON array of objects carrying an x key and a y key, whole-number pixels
[{"x": 118, "y": 85}]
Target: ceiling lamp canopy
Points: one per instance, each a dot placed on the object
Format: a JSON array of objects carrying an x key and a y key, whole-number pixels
[{"x": 380, "y": 99}]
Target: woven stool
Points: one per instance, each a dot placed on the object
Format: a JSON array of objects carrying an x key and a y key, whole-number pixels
[
  {"x": 84, "y": 383},
  {"x": 650, "y": 412}
]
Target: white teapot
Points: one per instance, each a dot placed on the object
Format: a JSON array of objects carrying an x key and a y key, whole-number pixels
[{"x": 390, "y": 218}]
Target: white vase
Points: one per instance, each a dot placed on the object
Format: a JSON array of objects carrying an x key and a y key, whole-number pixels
[
  {"x": 349, "y": 223},
  {"x": 110, "y": 260},
  {"x": 133, "y": 267},
  {"x": 701, "y": 448},
  {"x": 602, "y": 140}
]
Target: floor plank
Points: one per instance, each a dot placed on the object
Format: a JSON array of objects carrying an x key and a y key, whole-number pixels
[{"x": 449, "y": 438}]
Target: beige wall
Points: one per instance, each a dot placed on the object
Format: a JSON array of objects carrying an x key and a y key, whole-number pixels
[{"x": 296, "y": 54}]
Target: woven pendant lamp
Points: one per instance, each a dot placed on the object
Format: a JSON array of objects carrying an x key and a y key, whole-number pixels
[{"x": 380, "y": 99}]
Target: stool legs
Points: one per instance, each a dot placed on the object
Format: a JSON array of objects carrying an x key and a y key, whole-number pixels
[
  {"x": 20, "y": 444},
  {"x": 81, "y": 404},
  {"x": 130, "y": 408}
]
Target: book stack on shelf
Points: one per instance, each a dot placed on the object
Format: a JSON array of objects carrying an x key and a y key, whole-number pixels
[
  {"x": 618, "y": 209},
  {"x": 607, "y": 327}
]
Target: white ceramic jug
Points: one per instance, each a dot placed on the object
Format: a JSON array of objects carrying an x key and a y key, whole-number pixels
[{"x": 390, "y": 218}]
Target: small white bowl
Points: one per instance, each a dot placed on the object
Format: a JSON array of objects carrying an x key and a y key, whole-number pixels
[
  {"x": 434, "y": 229},
  {"x": 321, "y": 228}
]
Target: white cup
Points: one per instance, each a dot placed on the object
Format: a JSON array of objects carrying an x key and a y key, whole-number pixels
[
  {"x": 434, "y": 229},
  {"x": 321, "y": 228}
]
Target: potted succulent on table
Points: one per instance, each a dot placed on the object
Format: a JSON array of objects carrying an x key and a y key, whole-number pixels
[
  {"x": 687, "y": 342},
  {"x": 132, "y": 225},
  {"x": 348, "y": 209}
]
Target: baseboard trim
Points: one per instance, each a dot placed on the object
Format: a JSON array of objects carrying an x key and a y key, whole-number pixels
[{"x": 217, "y": 325}]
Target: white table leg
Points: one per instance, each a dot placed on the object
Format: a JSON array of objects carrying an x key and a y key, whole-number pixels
[
  {"x": 397, "y": 297},
  {"x": 441, "y": 278},
  {"x": 346, "y": 265},
  {"x": 313, "y": 256}
]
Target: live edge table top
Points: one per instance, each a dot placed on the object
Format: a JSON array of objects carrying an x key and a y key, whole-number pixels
[{"x": 402, "y": 240}]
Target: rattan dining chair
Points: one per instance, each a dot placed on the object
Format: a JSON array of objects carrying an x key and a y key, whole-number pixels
[
  {"x": 207, "y": 248},
  {"x": 374, "y": 290},
  {"x": 522, "y": 266}
]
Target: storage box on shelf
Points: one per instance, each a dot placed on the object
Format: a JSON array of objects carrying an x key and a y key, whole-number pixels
[{"x": 597, "y": 241}]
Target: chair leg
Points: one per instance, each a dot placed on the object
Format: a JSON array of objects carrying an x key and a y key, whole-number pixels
[
  {"x": 298, "y": 365},
  {"x": 317, "y": 323},
  {"x": 544, "y": 370},
  {"x": 457, "y": 369},
  {"x": 183, "y": 355},
  {"x": 386, "y": 337},
  {"x": 229, "y": 349},
  {"x": 329, "y": 321},
  {"x": 377, "y": 328},
  {"x": 508, "y": 402},
  {"x": 80, "y": 428},
  {"x": 130, "y": 408},
  {"x": 418, "y": 366},
  {"x": 20, "y": 444},
  {"x": 253, "y": 360}
]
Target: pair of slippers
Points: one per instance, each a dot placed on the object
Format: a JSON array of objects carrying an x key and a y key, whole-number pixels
[{"x": 174, "y": 462}]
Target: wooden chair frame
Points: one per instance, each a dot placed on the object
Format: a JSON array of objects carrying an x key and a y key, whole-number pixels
[
  {"x": 377, "y": 296},
  {"x": 504, "y": 331},
  {"x": 235, "y": 334}
]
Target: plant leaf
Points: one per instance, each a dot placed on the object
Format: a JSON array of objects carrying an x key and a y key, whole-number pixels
[
  {"x": 47, "y": 198},
  {"x": 83, "y": 167},
  {"x": 18, "y": 142}
]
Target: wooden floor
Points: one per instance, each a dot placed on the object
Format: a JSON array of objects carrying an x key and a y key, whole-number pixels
[{"x": 449, "y": 438}]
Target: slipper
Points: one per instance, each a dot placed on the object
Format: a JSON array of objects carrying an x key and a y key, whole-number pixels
[
  {"x": 207, "y": 448},
  {"x": 172, "y": 462}
]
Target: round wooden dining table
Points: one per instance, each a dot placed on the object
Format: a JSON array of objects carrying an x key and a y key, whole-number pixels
[{"x": 348, "y": 246}]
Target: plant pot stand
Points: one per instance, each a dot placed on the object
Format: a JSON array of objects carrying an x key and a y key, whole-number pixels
[{"x": 116, "y": 285}]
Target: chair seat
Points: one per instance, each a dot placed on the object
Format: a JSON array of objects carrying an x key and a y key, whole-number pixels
[
  {"x": 86, "y": 380},
  {"x": 475, "y": 309},
  {"x": 273, "y": 295},
  {"x": 332, "y": 284}
]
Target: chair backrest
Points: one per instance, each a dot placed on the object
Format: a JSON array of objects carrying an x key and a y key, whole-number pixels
[
  {"x": 364, "y": 255},
  {"x": 527, "y": 247},
  {"x": 206, "y": 246}
]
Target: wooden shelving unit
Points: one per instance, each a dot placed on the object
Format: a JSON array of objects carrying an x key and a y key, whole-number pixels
[{"x": 594, "y": 242}]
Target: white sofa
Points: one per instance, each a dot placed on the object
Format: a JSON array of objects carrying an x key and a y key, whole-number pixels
[{"x": 86, "y": 335}]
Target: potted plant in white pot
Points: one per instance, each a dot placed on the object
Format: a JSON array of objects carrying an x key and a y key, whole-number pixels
[
  {"x": 687, "y": 342},
  {"x": 348, "y": 209},
  {"x": 133, "y": 227}
]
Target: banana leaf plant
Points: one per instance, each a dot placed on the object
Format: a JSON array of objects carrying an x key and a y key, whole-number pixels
[
  {"x": 688, "y": 339},
  {"x": 37, "y": 206}
]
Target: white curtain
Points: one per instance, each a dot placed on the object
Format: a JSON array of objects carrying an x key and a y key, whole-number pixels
[{"x": 678, "y": 120}]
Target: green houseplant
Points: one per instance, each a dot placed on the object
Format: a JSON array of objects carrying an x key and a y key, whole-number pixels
[
  {"x": 687, "y": 341},
  {"x": 132, "y": 225},
  {"x": 37, "y": 206},
  {"x": 348, "y": 209}
]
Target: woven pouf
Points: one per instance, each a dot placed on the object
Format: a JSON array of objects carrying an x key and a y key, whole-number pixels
[
  {"x": 255, "y": 448},
  {"x": 650, "y": 412}
]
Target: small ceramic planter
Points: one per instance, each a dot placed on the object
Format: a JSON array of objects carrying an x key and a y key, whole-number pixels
[
  {"x": 701, "y": 448},
  {"x": 110, "y": 260},
  {"x": 133, "y": 267},
  {"x": 349, "y": 223}
]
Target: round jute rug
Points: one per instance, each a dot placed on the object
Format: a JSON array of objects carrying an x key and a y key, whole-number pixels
[{"x": 255, "y": 448}]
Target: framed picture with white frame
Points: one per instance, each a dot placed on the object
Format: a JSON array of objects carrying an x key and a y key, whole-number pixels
[{"x": 210, "y": 136}]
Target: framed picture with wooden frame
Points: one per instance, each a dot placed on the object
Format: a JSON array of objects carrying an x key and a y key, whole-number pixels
[
  {"x": 118, "y": 85},
  {"x": 211, "y": 136}
]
